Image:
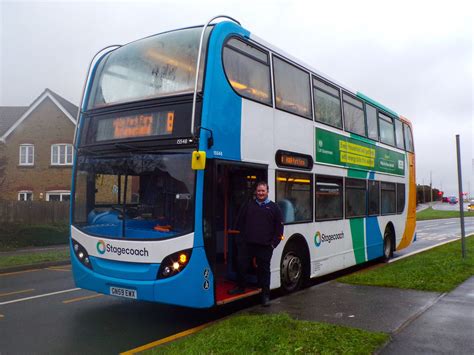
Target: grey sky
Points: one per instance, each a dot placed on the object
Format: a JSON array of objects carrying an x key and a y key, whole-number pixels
[{"x": 415, "y": 57}]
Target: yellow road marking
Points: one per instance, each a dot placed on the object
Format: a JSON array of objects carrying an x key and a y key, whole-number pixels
[
  {"x": 18, "y": 272},
  {"x": 58, "y": 269},
  {"x": 166, "y": 340},
  {"x": 82, "y": 298},
  {"x": 16, "y": 292}
]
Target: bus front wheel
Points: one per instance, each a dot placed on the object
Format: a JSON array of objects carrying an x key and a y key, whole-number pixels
[{"x": 291, "y": 269}]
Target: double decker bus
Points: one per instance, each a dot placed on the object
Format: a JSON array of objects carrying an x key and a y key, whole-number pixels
[{"x": 175, "y": 130}]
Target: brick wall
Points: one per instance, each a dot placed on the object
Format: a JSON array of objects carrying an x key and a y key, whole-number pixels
[{"x": 45, "y": 126}]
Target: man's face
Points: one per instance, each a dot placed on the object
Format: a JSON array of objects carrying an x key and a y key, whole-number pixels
[{"x": 262, "y": 193}]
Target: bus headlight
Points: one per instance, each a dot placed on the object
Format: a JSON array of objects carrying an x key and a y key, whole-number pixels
[
  {"x": 173, "y": 264},
  {"x": 81, "y": 254}
]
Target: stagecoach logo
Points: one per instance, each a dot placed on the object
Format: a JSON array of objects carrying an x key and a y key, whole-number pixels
[
  {"x": 101, "y": 247},
  {"x": 317, "y": 239},
  {"x": 326, "y": 238}
]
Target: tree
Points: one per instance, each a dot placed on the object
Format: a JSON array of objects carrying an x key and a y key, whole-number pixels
[{"x": 3, "y": 163}]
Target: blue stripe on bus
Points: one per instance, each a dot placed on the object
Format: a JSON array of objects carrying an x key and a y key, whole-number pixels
[
  {"x": 222, "y": 107},
  {"x": 374, "y": 238}
]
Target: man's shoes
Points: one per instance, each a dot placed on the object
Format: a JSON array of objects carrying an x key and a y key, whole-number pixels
[
  {"x": 236, "y": 291},
  {"x": 265, "y": 300}
]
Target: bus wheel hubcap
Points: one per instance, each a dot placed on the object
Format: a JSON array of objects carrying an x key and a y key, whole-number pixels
[{"x": 291, "y": 268}]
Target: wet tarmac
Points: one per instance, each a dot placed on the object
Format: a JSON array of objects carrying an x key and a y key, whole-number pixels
[{"x": 418, "y": 322}]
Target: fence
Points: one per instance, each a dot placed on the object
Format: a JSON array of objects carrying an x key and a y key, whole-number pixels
[{"x": 34, "y": 212}]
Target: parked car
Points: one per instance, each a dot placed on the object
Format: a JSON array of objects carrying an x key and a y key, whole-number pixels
[
  {"x": 445, "y": 199},
  {"x": 470, "y": 206}
]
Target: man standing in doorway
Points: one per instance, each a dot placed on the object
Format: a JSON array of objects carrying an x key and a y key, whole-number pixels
[{"x": 261, "y": 230}]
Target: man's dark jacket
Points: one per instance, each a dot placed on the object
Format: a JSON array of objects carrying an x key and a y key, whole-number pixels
[{"x": 261, "y": 225}]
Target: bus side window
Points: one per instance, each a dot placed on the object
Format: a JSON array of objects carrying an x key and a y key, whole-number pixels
[
  {"x": 399, "y": 134},
  {"x": 372, "y": 126},
  {"x": 294, "y": 196},
  {"x": 408, "y": 138},
  {"x": 400, "y": 198},
  {"x": 292, "y": 91},
  {"x": 374, "y": 198},
  {"x": 327, "y": 103},
  {"x": 329, "y": 202},
  {"x": 354, "y": 120},
  {"x": 247, "y": 70},
  {"x": 388, "y": 198},
  {"x": 387, "y": 134}
]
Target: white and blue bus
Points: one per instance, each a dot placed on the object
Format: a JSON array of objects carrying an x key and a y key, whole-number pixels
[{"x": 175, "y": 130}]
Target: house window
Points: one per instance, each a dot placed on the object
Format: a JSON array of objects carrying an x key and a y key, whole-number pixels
[
  {"x": 25, "y": 196},
  {"x": 62, "y": 195},
  {"x": 27, "y": 154},
  {"x": 61, "y": 154}
]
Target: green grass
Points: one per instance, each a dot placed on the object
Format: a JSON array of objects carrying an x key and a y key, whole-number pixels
[
  {"x": 430, "y": 213},
  {"x": 440, "y": 270},
  {"x": 14, "y": 235},
  {"x": 274, "y": 334},
  {"x": 22, "y": 259}
]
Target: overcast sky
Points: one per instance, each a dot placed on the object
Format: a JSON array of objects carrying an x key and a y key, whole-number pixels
[{"x": 415, "y": 57}]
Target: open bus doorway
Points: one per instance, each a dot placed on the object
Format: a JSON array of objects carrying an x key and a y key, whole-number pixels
[{"x": 234, "y": 185}]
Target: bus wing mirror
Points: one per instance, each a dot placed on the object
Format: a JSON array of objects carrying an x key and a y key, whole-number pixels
[{"x": 198, "y": 160}]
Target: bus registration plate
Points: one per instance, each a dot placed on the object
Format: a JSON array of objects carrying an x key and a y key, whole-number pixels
[{"x": 123, "y": 292}]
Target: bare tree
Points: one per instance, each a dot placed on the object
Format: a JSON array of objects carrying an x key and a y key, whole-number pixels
[{"x": 3, "y": 163}]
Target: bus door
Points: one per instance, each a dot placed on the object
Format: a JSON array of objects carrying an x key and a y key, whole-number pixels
[{"x": 234, "y": 186}]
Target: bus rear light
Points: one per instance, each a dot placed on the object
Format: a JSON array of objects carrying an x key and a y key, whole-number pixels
[
  {"x": 81, "y": 254},
  {"x": 173, "y": 264}
]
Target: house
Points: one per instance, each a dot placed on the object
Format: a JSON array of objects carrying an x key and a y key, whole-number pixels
[{"x": 36, "y": 151}]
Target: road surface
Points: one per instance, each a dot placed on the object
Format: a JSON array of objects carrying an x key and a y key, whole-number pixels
[{"x": 42, "y": 312}]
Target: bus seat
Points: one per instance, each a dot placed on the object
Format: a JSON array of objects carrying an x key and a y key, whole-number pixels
[{"x": 287, "y": 210}]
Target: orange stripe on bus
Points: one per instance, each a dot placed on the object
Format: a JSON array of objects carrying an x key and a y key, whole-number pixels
[{"x": 410, "y": 225}]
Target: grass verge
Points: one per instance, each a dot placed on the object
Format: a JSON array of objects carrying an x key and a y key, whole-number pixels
[
  {"x": 440, "y": 270},
  {"x": 430, "y": 213},
  {"x": 274, "y": 334},
  {"x": 22, "y": 259},
  {"x": 14, "y": 235}
]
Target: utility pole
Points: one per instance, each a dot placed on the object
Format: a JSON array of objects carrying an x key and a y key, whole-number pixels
[
  {"x": 461, "y": 203},
  {"x": 431, "y": 188}
]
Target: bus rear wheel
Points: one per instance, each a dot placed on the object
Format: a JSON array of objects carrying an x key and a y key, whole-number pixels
[
  {"x": 291, "y": 269},
  {"x": 387, "y": 245}
]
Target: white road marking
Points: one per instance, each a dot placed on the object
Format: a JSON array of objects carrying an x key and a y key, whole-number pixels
[{"x": 38, "y": 296}]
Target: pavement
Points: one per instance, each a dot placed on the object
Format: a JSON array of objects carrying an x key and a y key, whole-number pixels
[{"x": 418, "y": 322}]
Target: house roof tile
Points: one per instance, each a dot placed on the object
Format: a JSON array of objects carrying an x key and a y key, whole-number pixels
[{"x": 9, "y": 115}]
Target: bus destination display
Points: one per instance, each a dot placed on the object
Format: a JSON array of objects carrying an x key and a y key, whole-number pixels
[
  {"x": 294, "y": 160},
  {"x": 134, "y": 126}
]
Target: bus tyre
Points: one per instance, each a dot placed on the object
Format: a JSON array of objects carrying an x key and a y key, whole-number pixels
[
  {"x": 387, "y": 246},
  {"x": 291, "y": 269}
]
